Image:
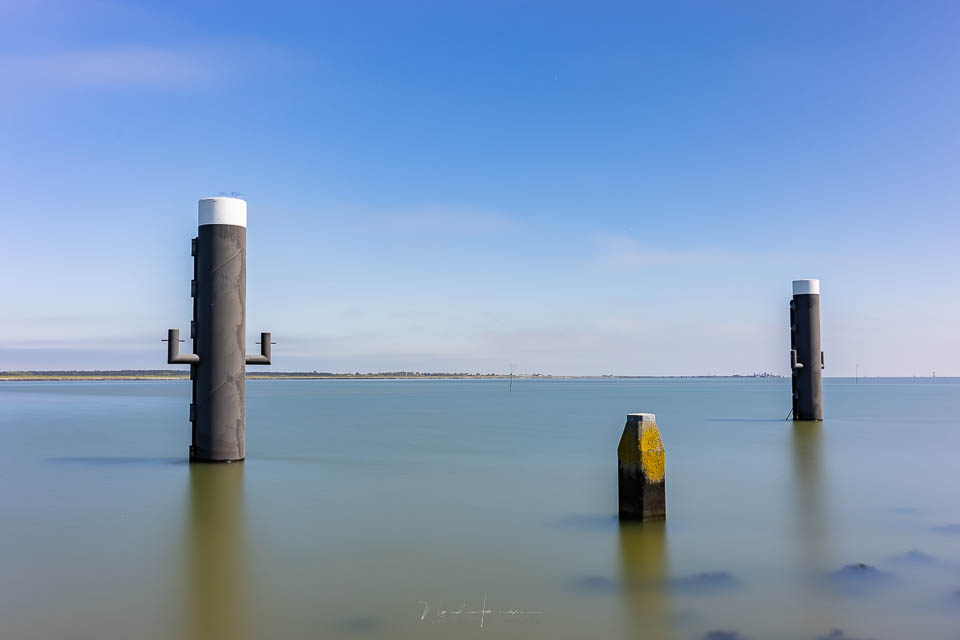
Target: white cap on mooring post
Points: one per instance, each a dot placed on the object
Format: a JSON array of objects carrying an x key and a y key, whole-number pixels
[
  {"x": 806, "y": 287},
  {"x": 223, "y": 210}
]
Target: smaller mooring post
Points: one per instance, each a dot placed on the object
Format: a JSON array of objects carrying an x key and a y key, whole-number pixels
[
  {"x": 641, "y": 464},
  {"x": 806, "y": 358}
]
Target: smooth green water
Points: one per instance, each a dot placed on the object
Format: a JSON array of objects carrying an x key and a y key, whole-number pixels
[{"x": 392, "y": 509}]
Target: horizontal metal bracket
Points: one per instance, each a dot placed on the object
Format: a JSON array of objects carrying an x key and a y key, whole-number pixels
[
  {"x": 173, "y": 350},
  {"x": 265, "y": 351}
]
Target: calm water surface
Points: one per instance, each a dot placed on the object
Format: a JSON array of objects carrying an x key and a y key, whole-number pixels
[{"x": 454, "y": 509}]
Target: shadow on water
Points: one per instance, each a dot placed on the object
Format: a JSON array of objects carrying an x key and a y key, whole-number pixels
[
  {"x": 115, "y": 460},
  {"x": 643, "y": 571},
  {"x": 917, "y": 558},
  {"x": 776, "y": 420},
  {"x": 359, "y": 625},
  {"x": 860, "y": 580},
  {"x": 839, "y": 634},
  {"x": 948, "y": 529},
  {"x": 705, "y": 583},
  {"x": 215, "y": 572},
  {"x": 596, "y": 585},
  {"x": 588, "y": 522},
  {"x": 721, "y": 634}
]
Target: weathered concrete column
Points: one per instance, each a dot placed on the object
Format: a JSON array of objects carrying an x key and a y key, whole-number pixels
[
  {"x": 641, "y": 467},
  {"x": 806, "y": 358}
]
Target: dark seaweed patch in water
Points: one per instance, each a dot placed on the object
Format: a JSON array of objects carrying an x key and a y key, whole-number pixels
[
  {"x": 860, "y": 578},
  {"x": 111, "y": 460},
  {"x": 948, "y": 529},
  {"x": 861, "y": 571},
  {"x": 953, "y": 600},
  {"x": 838, "y": 634},
  {"x": 719, "y": 634},
  {"x": 359, "y": 625},
  {"x": 708, "y": 582},
  {"x": 595, "y": 585},
  {"x": 593, "y": 522},
  {"x": 918, "y": 558}
]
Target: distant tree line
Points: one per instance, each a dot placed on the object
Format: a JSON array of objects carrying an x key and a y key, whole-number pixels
[{"x": 259, "y": 374}]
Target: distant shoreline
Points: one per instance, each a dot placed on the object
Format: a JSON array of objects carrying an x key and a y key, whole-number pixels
[{"x": 112, "y": 376}]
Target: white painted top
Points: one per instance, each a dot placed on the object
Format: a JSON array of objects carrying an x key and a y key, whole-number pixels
[
  {"x": 223, "y": 210},
  {"x": 643, "y": 417},
  {"x": 801, "y": 287}
]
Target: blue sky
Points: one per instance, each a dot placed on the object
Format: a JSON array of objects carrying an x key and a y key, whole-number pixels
[{"x": 579, "y": 188}]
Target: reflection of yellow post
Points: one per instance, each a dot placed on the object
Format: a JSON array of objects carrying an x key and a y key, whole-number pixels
[
  {"x": 641, "y": 468},
  {"x": 644, "y": 569},
  {"x": 214, "y": 538}
]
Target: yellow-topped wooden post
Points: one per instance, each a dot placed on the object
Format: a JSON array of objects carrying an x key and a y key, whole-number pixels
[{"x": 641, "y": 468}]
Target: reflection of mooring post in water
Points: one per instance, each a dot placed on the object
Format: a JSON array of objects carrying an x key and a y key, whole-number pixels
[
  {"x": 215, "y": 572},
  {"x": 810, "y": 511},
  {"x": 806, "y": 358},
  {"x": 641, "y": 466},
  {"x": 217, "y": 364},
  {"x": 644, "y": 570},
  {"x": 809, "y": 508}
]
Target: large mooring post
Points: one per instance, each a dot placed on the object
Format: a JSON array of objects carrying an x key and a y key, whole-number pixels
[
  {"x": 641, "y": 466},
  {"x": 806, "y": 358},
  {"x": 217, "y": 364}
]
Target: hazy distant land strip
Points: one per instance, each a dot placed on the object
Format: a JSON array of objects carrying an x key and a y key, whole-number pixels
[{"x": 175, "y": 374}]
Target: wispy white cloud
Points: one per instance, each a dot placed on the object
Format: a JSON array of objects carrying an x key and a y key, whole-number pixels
[
  {"x": 126, "y": 67},
  {"x": 449, "y": 221},
  {"x": 94, "y": 341},
  {"x": 621, "y": 250}
]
